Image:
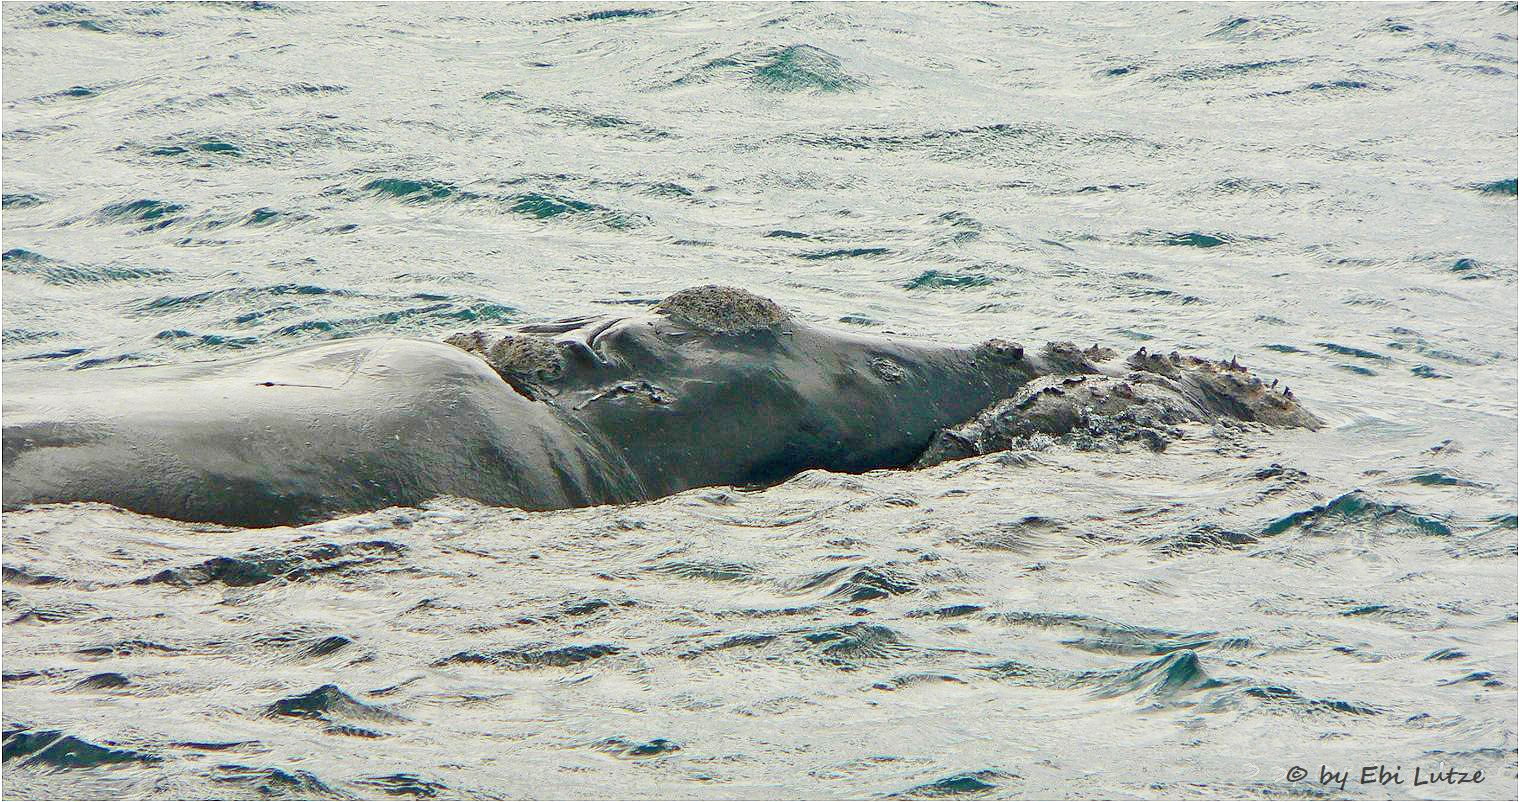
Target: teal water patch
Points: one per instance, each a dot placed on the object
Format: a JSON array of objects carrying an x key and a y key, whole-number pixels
[
  {"x": 92, "y": 25},
  {"x": 939, "y": 280},
  {"x": 285, "y": 564},
  {"x": 76, "y": 92},
  {"x": 483, "y": 313},
  {"x": 1194, "y": 239},
  {"x": 581, "y": 118},
  {"x": 803, "y": 68},
  {"x": 1167, "y": 677},
  {"x": 963, "y": 227},
  {"x": 51, "y": 271},
  {"x": 419, "y": 319},
  {"x": 180, "y": 338},
  {"x": 971, "y": 785},
  {"x": 22, "y": 256},
  {"x": 304, "y": 88},
  {"x": 1290, "y": 701},
  {"x": 1342, "y": 85},
  {"x": 1356, "y": 508},
  {"x": 850, "y": 646},
  {"x": 537, "y": 205},
  {"x": 1410, "y": 340},
  {"x": 212, "y": 146},
  {"x": 1140, "y": 642},
  {"x": 501, "y": 94},
  {"x": 667, "y": 189},
  {"x": 50, "y": 355},
  {"x": 1470, "y": 269},
  {"x": 156, "y": 213},
  {"x": 845, "y": 647},
  {"x": 1205, "y": 536},
  {"x": 613, "y": 14},
  {"x": 1245, "y": 28},
  {"x": 1215, "y": 72},
  {"x": 534, "y": 656},
  {"x": 60, "y": 8},
  {"x": 1440, "y": 479},
  {"x": 1346, "y": 350},
  {"x": 1502, "y": 187},
  {"x": 707, "y": 571},
  {"x": 57, "y": 750},
  {"x": 996, "y": 142},
  {"x": 1428, "y": 372},
  {"x": 543, "y": 207},
  {"x": 412, "y": 191},
  {"x": 405, "y": 785},
  {"x": 859, "y": 584},
  {"x": 637, "y": 750},
  {"x": 273, "y": 783},
  {"x": 18, "y": 336},
  {"x": 178, "y": 303},
  {"x": 844, "y": 253},
  {"x": 1395, "y": 26},
  {"x": 1162, "y": 292},
  {"x": 20, "y": 200},
  {"x": 1253, "y": 186},
  {"x": 327, "y": 703},
  {"x": 263, "y": 216},
  {"x": 1447, "y": 654}
]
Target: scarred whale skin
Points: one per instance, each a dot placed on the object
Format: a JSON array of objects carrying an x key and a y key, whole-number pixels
[
  {"x": 704, "y": 391},
  {"x": 714, "y": 386}
]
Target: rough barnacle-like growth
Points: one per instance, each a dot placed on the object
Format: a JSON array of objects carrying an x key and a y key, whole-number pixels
[
  {"x": 1227, "y": 388},
  {"x": 520, "y": 359},
  {"x": 1147, "y": 405},
  {"x": 996, "y": 350},
  {"x": 1066, "y": 357},
  {"x": 722, "y": 310}
]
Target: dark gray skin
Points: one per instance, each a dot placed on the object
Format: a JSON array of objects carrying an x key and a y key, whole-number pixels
[
  {"x": 715, "y": 386},
  {"x": 704, "y": 391}
]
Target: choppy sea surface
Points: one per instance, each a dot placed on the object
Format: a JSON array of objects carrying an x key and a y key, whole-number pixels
[{"x": 1327, "y": 192}]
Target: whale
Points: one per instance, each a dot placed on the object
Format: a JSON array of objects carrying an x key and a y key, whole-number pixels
[{"x": 711, "y": 386}]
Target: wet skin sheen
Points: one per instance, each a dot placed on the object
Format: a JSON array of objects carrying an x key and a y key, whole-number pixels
[{"x": 642, "y": 407}]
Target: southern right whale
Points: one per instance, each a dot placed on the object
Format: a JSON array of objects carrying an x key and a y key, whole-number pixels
[{"x": 713, "y": 386}]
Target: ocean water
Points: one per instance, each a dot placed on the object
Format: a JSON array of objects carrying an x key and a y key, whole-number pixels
[{"x": 1327, "y": 192}]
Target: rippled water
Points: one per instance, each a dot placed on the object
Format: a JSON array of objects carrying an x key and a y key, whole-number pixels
[{"x": 1327, "y": 192}]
